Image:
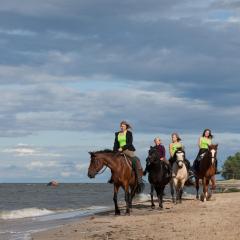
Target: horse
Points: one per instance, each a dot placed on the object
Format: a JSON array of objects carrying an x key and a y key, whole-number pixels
[
  {"x": 157, "y": 175},
  {"x": 179, "y": 175},
  {"x": 207, "y": 171},
  {"x": 122, "y": 174}
]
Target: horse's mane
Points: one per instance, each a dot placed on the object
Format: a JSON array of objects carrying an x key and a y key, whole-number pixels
[
  {"x": 105, "y": 151},
  {"x": 179, "y": 149}
]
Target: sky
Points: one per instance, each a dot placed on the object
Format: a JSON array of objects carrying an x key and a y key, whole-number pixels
[{"x": 72, "y": 70}]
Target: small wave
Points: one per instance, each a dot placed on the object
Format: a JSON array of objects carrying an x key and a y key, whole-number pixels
[
  {"x": 142, "y": 197},
  {"x": 24, "y": 213}
]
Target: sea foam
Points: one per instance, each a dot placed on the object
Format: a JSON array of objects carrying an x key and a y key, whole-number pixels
[{"x": 24, "y": 213}]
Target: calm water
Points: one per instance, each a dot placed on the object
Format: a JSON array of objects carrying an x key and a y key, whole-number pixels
[{"x": 26, "y": 208}]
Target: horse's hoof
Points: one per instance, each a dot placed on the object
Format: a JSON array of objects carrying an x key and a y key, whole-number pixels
[
  {"x": 127, "y": 212},
  {"x": 117, "y": 213},
  {"x": 160, "y": 207},
  {"x": 153, "y": 206},
  {"x": 209, "y": 197}
]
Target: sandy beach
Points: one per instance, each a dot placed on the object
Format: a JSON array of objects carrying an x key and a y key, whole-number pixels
[{"x": 215, "y": 219}]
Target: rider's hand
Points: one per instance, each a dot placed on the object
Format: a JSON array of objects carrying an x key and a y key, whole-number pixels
[{"x": 120, "y": 149}]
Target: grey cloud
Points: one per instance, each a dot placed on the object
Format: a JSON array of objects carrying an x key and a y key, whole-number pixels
[
  {"x": 74, "y": 41},
  {"x": 59, "y": 108}
]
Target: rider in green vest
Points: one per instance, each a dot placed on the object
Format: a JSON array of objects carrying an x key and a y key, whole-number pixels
[
  {"x": 124, "y": 143},
  {"x": 204, "y": 141},
  {"x": 173, "y": 146}
]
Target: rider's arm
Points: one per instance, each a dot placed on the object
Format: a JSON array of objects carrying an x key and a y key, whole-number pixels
[
  {"x": 163, "y": 153},
  {"x": 170, "y": 149},
  {"x": 199, "y": 142},
  {"x": 116, "y": 143}
]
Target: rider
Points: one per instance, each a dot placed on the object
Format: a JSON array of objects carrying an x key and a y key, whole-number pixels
[
  {"x": 204, "y": 141},
  {"x": 162, "y": 155},
  {"x": 173, "y": 147},
  {"x": 124, "y": 143}
]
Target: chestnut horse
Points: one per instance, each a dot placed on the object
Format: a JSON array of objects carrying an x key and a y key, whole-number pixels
[
  {"x": 207, "y": 171},
  {"x": 179, "y": 175},
  {"x": 122, "y": 174}
]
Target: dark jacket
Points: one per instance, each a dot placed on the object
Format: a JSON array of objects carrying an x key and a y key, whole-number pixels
[
  {"x": 129, "y": 144},
  {"x": 161, "y": 150}
]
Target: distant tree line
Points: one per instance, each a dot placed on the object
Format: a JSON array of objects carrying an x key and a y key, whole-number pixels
[{"x": 231, "y": 167}]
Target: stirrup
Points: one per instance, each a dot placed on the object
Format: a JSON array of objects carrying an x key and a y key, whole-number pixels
[{"x": 110, "y": 180}]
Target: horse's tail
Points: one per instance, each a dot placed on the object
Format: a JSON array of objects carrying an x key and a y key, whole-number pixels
[{"x": 140, "y": 187}]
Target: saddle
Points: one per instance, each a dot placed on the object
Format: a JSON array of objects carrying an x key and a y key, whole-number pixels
[{"x": 135, "y": 164}]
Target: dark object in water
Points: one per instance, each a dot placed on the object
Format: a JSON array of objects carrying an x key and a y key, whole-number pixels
[{"x": 53, "y": 184}]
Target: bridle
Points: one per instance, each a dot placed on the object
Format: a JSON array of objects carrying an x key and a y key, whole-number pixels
[
  {"x": 180, "y": 160},
  {"x": 100, "y": 171}
]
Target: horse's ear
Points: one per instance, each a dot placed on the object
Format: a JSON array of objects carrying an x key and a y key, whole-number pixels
[
  {"x": 91, "y": 153},
  {"x": 216, "y": 145}
]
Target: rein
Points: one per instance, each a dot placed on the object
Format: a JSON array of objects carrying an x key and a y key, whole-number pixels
[{"x": 102, "y": 170}]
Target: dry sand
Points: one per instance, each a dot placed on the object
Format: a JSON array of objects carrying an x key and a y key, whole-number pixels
[{"x": 216, "y": 219}]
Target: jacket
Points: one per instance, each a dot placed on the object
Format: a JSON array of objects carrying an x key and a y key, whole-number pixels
[{"x": 129, "y": 144}]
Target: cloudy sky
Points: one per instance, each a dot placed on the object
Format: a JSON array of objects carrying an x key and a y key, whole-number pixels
[{"x": 71, "y": 70}]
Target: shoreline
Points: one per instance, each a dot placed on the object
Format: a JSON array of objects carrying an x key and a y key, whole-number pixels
[{"x": 215, "y": 219}]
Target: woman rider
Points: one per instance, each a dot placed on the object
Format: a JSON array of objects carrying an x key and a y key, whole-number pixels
[
  {"x": 173, "y": 146},
  {"x": 124, "y": 143},
  {"x": 162, "y": 155},
  {"x": 204, "y": 141}
]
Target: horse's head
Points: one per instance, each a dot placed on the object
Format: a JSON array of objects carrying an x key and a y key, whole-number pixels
[
  {"x": 96, "y": 164},
  {"x": 212, "y": 149},
  {"x": 179, "y": 156},
  {"x": 153, "y": 155}
]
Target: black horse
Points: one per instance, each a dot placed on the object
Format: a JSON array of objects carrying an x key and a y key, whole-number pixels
[{"x": 158, "y": 175}]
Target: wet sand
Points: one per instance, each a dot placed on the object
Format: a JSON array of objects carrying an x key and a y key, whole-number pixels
[{"x": 216, "y": 219}]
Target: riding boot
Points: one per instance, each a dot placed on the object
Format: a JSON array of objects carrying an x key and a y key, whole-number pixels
[
  {"x": 168, "y": 168},
  {"x": 110, "y": 180},
  {"x": 138, "y": 168},
  {"x": 196, "y": 163},
  {"x": 146, "y": 168},
  {"x": 216, "y": 165},
  {"x": 188, "y": 166}
]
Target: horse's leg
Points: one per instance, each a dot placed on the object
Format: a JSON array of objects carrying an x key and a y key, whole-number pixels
[
  {"x": 172, "y": 190},
  {"x": 116, "y": 188},
  {"x": 161, "y": 197},
  {"x": 130, "y": 198},
  {"x": 208, "y": 196},
  {"x": 127, "y": 199},
  {"x": 197, "y": 187},
  {"x": 213, "y": 181},
  {"x": 177, "y": 192},
  {"x": 205, "y": 189},
  {"x": 181, "y": 192},
  {"x": 158, "y": 191},
  {"x": 152, "y": 189},
  {"x": 132, "y": 194}
]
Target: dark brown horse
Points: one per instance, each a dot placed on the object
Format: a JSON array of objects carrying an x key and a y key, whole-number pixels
[
  {"x": 207, "y": 171},
  {"x": 157, "y": 176},
  {"x": 122, "y": 174}
]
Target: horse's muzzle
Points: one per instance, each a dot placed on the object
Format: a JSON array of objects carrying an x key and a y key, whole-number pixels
[
  {"x": 180, "y": 164},
  {"x": 91, "y": 175}
]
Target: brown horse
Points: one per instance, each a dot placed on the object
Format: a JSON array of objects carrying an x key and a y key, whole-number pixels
[
  {"x": 122, "y": 174},
  {"x": 207, "y": 171}
]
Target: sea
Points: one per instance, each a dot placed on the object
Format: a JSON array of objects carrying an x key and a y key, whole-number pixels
[{"x": 33, "y": 207}]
